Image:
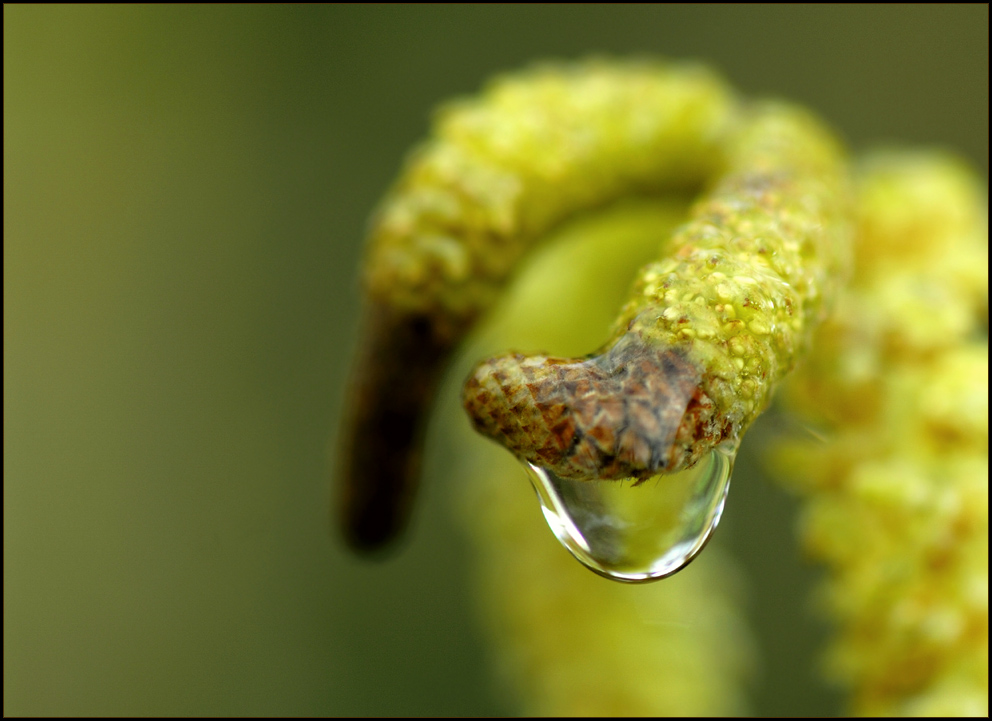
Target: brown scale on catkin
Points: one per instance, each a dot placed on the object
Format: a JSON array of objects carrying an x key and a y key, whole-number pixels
[
  {"x": 616, "y": 415},
  {"x": 697, "y": 351}
]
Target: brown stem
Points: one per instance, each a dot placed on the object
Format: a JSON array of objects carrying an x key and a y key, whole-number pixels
[{"x": 393, "y": 383}]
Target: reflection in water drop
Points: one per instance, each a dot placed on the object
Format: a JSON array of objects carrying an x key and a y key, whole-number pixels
[{"x": 637, "y": 533}]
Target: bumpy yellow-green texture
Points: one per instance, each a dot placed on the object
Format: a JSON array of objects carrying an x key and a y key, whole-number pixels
[
  {"x": 750, "y": 276},
  {"x": 533, "y": 149},
  {"x": 898, "y": 491},
  {"x": 711, "y": 329}
]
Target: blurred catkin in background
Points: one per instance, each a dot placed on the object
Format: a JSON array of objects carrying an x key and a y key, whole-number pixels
[{"x": 185, "y": 192}]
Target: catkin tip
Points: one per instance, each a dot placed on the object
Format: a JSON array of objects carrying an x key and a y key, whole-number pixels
[{"x": 633, "y": 411}]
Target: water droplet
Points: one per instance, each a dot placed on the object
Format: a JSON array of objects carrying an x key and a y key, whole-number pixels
[{"x": 637, "y": 533}]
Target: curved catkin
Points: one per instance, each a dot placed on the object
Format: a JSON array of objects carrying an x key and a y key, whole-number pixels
[
  {"x": 711, "y": 329},
  {"x": 500, "y": 171}
]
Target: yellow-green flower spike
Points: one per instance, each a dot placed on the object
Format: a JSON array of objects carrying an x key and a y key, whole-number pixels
[
  {"x": 712, "y": 330},
  {"x": 500, "y": 171}
]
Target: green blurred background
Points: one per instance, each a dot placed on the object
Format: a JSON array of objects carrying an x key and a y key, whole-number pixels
[{"x": 185, "y": 193}]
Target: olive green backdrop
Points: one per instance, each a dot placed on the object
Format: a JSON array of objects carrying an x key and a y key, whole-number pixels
[{"x": 185, "y": 192}]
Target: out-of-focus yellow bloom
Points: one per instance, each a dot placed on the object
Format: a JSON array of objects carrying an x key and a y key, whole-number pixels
[{"x": 898, "y": 494}]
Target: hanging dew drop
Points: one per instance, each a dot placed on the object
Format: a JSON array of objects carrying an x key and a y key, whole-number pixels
[{"x": 637, "y": 533}]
